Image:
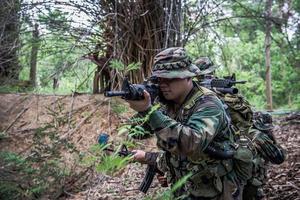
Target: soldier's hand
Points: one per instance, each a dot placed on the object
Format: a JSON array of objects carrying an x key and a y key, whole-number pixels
[
  {"x": 141, "y": 105},
  {"x": 139, "y": 156},
  {"x": 162, "y": 180}
]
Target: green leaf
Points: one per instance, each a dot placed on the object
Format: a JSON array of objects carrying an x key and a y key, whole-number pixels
[
  {"x": 180, "y": 182},
  {"x": 133, "y": 66},
  {"x": 116, "y": 64},
  {"x": 3, "y": 135},
  {"x": 112, "y": 163},
  {"x": 124, "y": 129}
]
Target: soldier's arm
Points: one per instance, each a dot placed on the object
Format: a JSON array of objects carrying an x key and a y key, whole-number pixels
[
  {"x": 268, "y": 148},
  {"x": 193, "y": 137}
]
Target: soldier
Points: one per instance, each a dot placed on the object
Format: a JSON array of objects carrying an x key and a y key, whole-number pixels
[
  {"x": 257, "y": 126},
  {"x": 206, "y": 66},
  {"x": 268, "y": 151},
  {"x": 190, "y": 119}
]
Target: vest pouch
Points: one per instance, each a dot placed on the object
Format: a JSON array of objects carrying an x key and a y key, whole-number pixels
[
  {"x": 243, "y": 160},
  {"x": 259, "y": 171},
  {"x": 205, "y": 183}
]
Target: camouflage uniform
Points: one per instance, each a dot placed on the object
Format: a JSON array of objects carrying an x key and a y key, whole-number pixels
[
  {"x": 183, "y": 134},
  {"x": 268, "y": 151},
  {"x": 241, "y": 114},
  {"x": 258, "y": 127},
  {"x": 205, "y": 65}
]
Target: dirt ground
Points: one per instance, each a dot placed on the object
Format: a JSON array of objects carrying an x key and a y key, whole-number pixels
[{"x": 81, "y": 118}]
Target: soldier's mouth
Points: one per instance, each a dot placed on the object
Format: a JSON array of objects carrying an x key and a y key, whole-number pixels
[{"x": 165, "y": 91}]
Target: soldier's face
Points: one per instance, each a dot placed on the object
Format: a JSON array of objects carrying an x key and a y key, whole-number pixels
[{"x": 175, "y": 89}]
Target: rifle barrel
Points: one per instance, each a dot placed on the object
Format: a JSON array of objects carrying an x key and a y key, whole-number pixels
[
  {"x": 115, "y": 93},
  {"x": 240, "y": 82},
  {"x": 228, "y": 90}
]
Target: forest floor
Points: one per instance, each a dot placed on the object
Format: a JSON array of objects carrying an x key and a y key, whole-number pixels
[{"x": 79, "y": 119}]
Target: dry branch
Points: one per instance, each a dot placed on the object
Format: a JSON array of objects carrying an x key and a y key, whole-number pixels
[
  {"x": 69, "y": 133},
  {"x": 18, "y": 116}
]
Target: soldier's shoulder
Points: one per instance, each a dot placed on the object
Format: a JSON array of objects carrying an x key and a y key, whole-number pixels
[{"x": 207, "y": 97}]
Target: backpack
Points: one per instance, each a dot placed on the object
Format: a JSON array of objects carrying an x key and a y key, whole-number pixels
[{"x": 240, "y": 112}]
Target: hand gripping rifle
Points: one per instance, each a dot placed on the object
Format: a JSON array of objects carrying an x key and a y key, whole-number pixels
[
  {"x": 151, "y": 168},
  {"x": 222, "y": 85},
  {"x": 135, "y": 91}
]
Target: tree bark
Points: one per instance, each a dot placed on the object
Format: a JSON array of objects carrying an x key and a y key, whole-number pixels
[
  {"x": 9, "y": 40},
  {"x": 149, "y": 26},
  {"x": 34, "y": 53},
  {"x": 268, "y": 10}
]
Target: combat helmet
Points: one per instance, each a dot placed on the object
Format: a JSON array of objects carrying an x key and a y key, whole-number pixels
[
  {"x": 174, "y": 63},
  {"x": 205, "y": 65},
  {"x": 262, "y": 120}
]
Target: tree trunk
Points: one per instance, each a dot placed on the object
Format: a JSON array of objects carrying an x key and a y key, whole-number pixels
[
  {"x": 149, "y": 26},
  {"x": 268, "y": 11},
  {"x": 55, "y": 83},
  {"x": 34, "y": 53},
  {"x": 9, "y": 40}
]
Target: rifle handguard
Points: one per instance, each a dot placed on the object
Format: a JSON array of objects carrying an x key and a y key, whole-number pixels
[{"x": 135, "y": 91}]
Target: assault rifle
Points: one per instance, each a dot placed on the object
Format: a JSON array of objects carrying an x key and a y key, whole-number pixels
[
  {"x": 222, "y": 85},
  {"x": 135, "y": 91},
  {"x": 151, "y": 168}
]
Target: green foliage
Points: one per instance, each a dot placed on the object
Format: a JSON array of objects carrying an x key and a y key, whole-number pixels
[
  {"x": 132, "y": 131},
  {"x": 105, "y": 161},
  {"x": 118, "y": 107},
  {"x": 180, "y": 182},
  {"x": 10, "y": 191},
  {"x": 59, "y": 57},
  {"x": 112, "y": 163},
  {"x": 247, "y": 60},
  {"x": 132, "y": 67},
  {"x": 135, "y": 127},
  {"x": 18, "y": 180},
  {"x": 168, "y": 194},
  {"x": 41, "y": 172},
  {"x": 96, "y": 152},
  {"x": 3, "y": 135},
  {"x": 119, "y": 65}
]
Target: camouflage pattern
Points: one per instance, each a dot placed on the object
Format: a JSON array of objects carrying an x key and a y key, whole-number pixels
[
  {"x": 205, "y": 65},
  {"x": 174, "y": 63},
  {"x": 268, "y": 151},
  {"x": 240, "y": 112},
  {"x": 183, "y": 134},
  {"x": 264, "y": 140},
  {"x": 263, "y": 120}
]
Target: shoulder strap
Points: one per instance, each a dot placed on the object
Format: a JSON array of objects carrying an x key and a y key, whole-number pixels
[{"x": 202, "y": 91}]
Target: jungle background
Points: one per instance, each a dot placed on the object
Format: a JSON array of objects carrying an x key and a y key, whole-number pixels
[{"x": 57, "y": 57}]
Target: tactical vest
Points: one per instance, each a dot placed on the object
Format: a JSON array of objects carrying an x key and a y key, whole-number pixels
[
  {"x": 207, "y": 172},
  {"x": 241, "y": 114}
]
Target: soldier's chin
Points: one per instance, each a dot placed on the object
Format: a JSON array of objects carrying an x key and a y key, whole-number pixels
[{"x": 167, "y": 96}]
